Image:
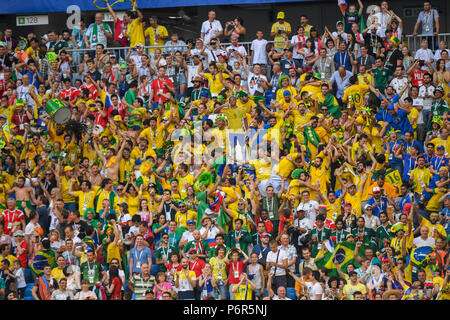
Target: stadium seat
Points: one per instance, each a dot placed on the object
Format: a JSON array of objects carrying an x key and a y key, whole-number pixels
[
  {"x": 290, "y": 293},
  {"x": 28, "y": 275},
  {"x": 154, "y": 270}
]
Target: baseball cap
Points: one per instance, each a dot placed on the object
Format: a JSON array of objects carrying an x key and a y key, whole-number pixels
[
  {"x": 124, "y": 204},
  {"x": 348, "y": 204},
  {"x": 191, "y": 221},
  {"x": 67, "y": 168},
  {"x": 280, "y": 15},
  {"x": 440, "y": 147},
  {"x": 367, "y": 206},
  {"x": 339, "y": 22},
  {"x": 286, "y": 93},
  {"x": 376, "y": 189},
  {"x": 265, "y": 234},
  {"x": 140, "y": 45},
  {"x": 18, "y": 233},
  {"x": 348, "y": 236},
  {"x": 117, "y": 118},
  {"x": 391, "y": 107},
  {"x": 204, "y": 94}
]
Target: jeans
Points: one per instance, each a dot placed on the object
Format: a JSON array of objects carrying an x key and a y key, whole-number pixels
[
  {"x": 222, "y": 289},
  {"x": 426, "y": 116}
]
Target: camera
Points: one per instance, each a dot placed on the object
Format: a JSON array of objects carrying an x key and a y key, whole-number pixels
[{"x": 421, "y": 63}]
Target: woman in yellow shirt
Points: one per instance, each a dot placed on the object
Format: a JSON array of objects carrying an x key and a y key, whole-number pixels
[{"x": 284, "y": 84}]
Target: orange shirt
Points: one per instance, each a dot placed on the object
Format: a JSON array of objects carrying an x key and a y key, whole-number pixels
[{"x": 390, "y": 190}]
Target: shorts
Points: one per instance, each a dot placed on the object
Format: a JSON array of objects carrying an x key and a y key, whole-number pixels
[
  {"x": 186, "y": 295},
  {"x": 181, "y": 79},
  {"x": 27, "y": 202}
]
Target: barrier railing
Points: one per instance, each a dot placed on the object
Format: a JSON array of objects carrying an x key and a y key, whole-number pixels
[
  {"x": 413, "y": 41},
  {"x": 121, "y": 52}
]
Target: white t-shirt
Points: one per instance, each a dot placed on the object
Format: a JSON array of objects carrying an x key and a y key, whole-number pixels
[
  {"x": 310, "y": 208},
  {"x": 232, "y": 55},
  {"x": 315, "y": 289},
  {"x": 418, "y": 102},
  {"x": 211, "y": 233},
  {"x": 424, "y": 54},
  {"x": 259, "y": 49},
  {"x": 22, "y": 93},
  {"x": 272, "y": 257},
  {"x": 187, "y": 235},
  {"x": 192, "y": 72},
  {"x": 210, "y": 29},
  {"x": 300, "y": 43},
  {"x": 419, "y": 242},
  {"x": 427, "y": 102},
  {"x": 29, "y": 229},
  {"x": 275, "y": 297},
  {"x": 398, "y": 85},
  {"x": 254, "y": 83}
]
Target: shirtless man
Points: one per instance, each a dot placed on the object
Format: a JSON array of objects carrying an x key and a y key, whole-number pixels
[
  {"x": 95, "y": 177},
  {"x": 23, "y": 194},
  {"x": 111, "y": 161}
]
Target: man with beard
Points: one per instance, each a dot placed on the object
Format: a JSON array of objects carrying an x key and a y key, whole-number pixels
[
  {"x": 185, "y": 281},
  {"x": 339, "y": 234},
  {"x": 362, "y": 233},
  {"x": 409, "y": 160},
  {"x": 378, "y": 202}
]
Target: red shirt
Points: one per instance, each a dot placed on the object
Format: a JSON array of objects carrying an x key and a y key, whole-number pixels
[
  {"x": 23, "y": 257},
  {"x": 100, "y": 120},
  {"x": 232, "y": 268},
  {"x": 197, "y": 266},
  {"x": 170, "y": 267},
  {"x": 120, "y": 108},
  {"x": 417, "y": 77},
  {"x": 93, "y": 94},
  {"x": 158, "y": 87},
  {"x": 268, "y": 223},
  {"x": 120, "y": 34},
  {"x": 9, "y": 217},
  {"x": 72, "y": 93},
  {"x": 19, "y": 120}
]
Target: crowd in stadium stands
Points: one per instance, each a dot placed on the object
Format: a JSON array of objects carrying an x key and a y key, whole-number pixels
[{"x": 312, "y": 164}]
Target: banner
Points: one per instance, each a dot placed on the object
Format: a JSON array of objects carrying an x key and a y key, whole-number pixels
[{"x": 36, "y": 6}]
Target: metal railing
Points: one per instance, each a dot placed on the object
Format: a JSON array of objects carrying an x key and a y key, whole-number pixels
[
  {"x": 122, "y": 52},
  {"x": 413, "y": 42}
]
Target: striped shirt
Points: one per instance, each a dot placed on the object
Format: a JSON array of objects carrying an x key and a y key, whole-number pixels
[{"x": 141, "y": 285}]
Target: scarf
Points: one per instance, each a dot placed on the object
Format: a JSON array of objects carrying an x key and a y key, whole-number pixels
[{"x": 95, "y": 32}]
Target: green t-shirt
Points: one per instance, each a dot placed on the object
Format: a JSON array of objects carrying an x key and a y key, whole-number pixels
[
  {"x": 384, "y": 233},
  {"x": 164, "y": 252},
  {"x": 91, "y": 271},
  {"x": 130, "y": 96},
  {"x": 381, "y": 77}
]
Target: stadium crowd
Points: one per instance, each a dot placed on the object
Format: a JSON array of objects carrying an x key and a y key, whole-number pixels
[{"x": 313, "y": 165}]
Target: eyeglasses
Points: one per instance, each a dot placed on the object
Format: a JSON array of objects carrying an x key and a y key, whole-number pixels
[{"x": 119, "y": 189}]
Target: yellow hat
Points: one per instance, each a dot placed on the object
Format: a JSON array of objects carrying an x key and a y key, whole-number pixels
[
  {"x": 67, "y": 168},
  {"x": 117, "y": 118},
  {"x": 280, "y": 15}
]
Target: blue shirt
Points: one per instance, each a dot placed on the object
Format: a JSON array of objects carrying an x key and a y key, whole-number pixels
[
  {"x": 341, "y": 83},
  {"x": 446, "y": 213},
  {"x": 31, "y": 75},
  {"x": 140, "y": 257},
  {"x": 409, "y": 163},
  {"x": 343, "y": 59},
  {"x": 414, "y": 143},
  {"x": 376, "y": 210},
  {"x": 404, "y": 200},
  {"x": 401, "y": 122},
  {"x": 393, "y": 146},
  {"x": 438, "y": 162}
]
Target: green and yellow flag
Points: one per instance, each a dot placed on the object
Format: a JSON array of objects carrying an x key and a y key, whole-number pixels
[{"x": 343, "y": 253}]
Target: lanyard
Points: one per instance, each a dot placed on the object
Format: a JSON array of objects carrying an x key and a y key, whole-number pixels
[
  {"x": 365, "y": 61},
  {"x": 235, "y": 268},
  {"x": 199, "y": 244},
  {"x": 172, "y": 242},
  {"x": 194, "y": 264},
  {"x": 84, "y": 197},
  {"x": 340, "y": 58},
  {"x": 165, "y": 254},
  {"x": 140, "y": 256},
  {"x": 437, "y": 167}
]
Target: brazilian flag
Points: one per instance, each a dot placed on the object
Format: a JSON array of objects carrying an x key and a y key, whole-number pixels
[
  {"x": 343, "y": 253},
  {"x": 41, "y": 259},
  {"x": 420, "y": 256}
]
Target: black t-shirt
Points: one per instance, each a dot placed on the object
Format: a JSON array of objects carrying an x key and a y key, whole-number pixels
[
  {"x": 96, "y": 76},
  {"x": 391, "y": 61}
]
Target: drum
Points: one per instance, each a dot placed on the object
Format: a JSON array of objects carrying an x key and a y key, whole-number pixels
[{"x": 58, "y": 111}]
